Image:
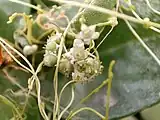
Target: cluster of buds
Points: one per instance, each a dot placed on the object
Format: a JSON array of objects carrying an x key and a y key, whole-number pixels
[
  {"x": 50, "y": 56},
  {"x": 79, "y": 63}
]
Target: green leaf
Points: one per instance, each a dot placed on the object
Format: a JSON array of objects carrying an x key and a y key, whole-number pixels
[
  {"x": 136, "y": 74},
  {"x": 135, "y": 83},
  {"x": 144, "y": 11},
  {"x": 32, "y": 110},
  {"x": 9, "y": 88},
  {"x": 5, "y": 112},
  {"x": 151, "y": 113},
  {"x": 8, "y": 8},
  {"x": 6, "y": 30},
  {"x": 94, "y": 17}
]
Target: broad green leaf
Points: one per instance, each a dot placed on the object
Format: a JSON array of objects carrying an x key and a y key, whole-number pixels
[
  {"x": 136, "y": 74},
  {"x": 94, "y": 17},
  {"x": 6, "y": 30},
  {"x": 47, "y": 2},
  {"x": 32, "y": 110},
  {"x": 8, "y": 8},
  {"x": 10, "y": 88},
  {"x": 5, "y": 112},
  {"x": 151, "y": 113},
  {"x": 144, "y": 11}
]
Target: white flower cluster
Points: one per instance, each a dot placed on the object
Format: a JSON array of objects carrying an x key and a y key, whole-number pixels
[
  {"x": 87, "y": 69},
  {"x": 79, "y": 62},
  {"x": 77, "y": 52}
]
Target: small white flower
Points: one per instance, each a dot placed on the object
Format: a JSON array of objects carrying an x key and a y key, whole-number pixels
[
  {"x": 79, "y": 54},
  {"x": 78, "y": 43},
  {"x": 88, "y": 33}
]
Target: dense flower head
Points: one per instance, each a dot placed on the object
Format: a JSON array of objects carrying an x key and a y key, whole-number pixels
[{"x": 87, "y": 69}]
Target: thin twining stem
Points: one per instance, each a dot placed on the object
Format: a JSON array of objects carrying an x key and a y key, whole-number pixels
[
  {"x": 85, "y": 108},
  {"x": 138, "y": 17},
  {"x": 142, "y": 42},
  {"x": 107, "y": 11},
  {"x": 28, "y": 4},
  {"x": 70, "y": 103},
  {"x": 56, "y": 107},
  {"x": 154, "y": 10}
]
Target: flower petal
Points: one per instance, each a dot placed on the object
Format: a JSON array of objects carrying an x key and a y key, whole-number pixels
[
  {"x": 83, "y": 27},
  {"x": 95, "y": 35}
]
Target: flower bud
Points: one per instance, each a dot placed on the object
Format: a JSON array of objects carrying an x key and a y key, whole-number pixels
[
  {"x": 51, "y": 46},
  {"x": 50, "y": 59},
  {"x": 29, "y": 49},
  {"x": 65, "y": 67}
]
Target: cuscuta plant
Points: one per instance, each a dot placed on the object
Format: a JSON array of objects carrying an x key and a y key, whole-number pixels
[
  {"x": 30, "y": 80},
  {"x": 141, "y": 21},
  {"x": 83, "y": 33}
]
